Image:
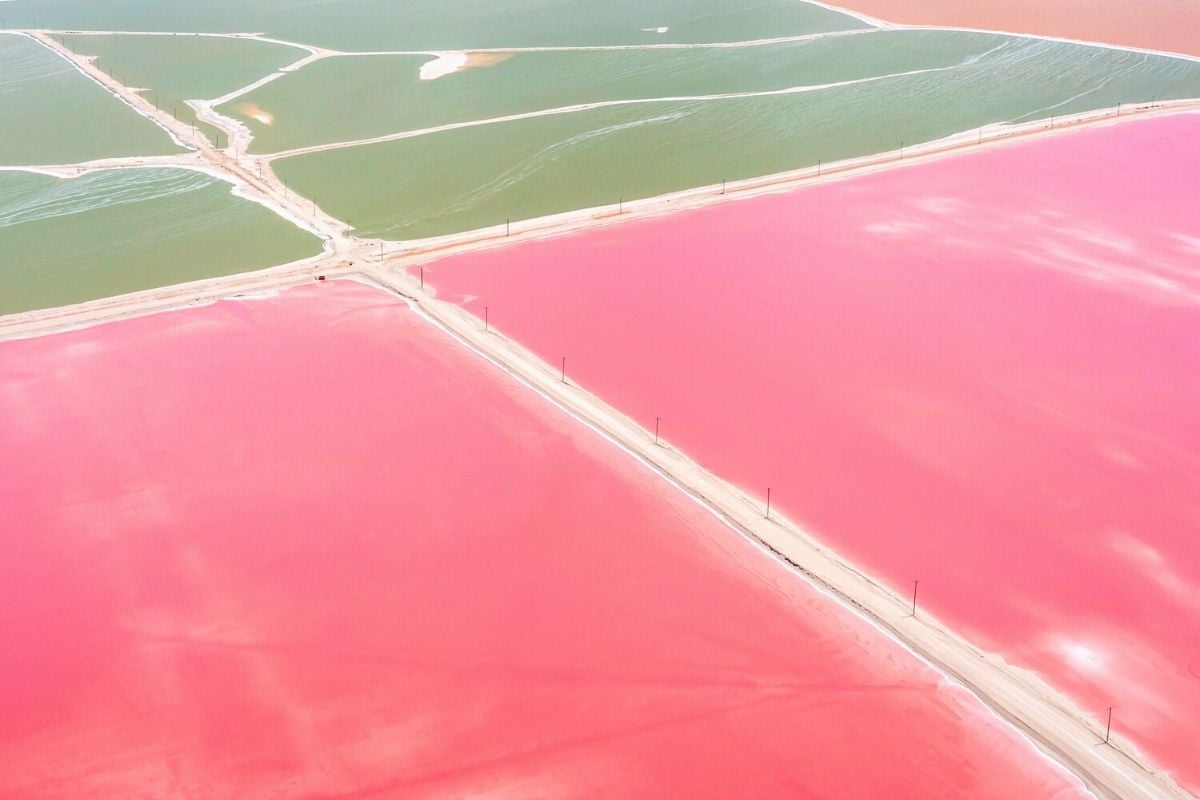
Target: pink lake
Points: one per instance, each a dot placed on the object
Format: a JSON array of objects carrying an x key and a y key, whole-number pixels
[
  {"x": 982, "y": 373},
  {"x": 308, "y": 547}
]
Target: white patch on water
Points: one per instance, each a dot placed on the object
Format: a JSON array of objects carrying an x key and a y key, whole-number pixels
[
  {"x": 444, "y": 64},
  {"x": 663, "y": 29}
]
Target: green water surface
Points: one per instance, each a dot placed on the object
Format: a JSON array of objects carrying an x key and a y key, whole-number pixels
[
  {"x": 66, "y": 241},
  {"x": 50, "y": 113},
  {"x": 424, "y": 25},
  {"x": 174, "y": 69},
  {"x": 346, "y": 99},
  {"x": 475, "y": 177}
]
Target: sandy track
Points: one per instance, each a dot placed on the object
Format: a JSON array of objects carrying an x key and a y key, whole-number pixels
[
  {"x": 251, "y": 176},
  {"x": 178, "y": 160}
]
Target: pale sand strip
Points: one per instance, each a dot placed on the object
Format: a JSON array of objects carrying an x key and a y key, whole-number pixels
[
  {"x": 178, "y": 161},
  {"x": 327, "y": 52},
  {"x": 252, "y": 177}
]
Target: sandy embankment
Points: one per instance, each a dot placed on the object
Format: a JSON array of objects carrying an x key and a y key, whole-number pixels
[
  {"x": 1167, "y": 25},
  {"x": 456, "y": 61}
]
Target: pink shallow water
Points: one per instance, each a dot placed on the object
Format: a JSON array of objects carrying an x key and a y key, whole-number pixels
[
  {"x": 981, "y": 373},
  {"x": 309, "y": 547}
]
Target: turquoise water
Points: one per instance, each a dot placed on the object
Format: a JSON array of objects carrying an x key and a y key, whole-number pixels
[
  {"x": 476, "y": 177},
  {"x": 66, "y": 241},
  {"x": 422, "y": 25},
  {"x": 52, "y": 114}
]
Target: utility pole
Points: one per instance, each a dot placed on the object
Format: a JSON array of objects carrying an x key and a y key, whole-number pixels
[
  {"x": 486, "y": 324},
  {"x": 657, "y": 422},
  {"x": 1108, "y": 727},
  {"x": 768, "y": 502},
  {"x": 620, "y": 205},
  {"x": 564, "y": 369},
  {"x": 914, "y": 602},
  {"x": 507, "y": 227},
  {"x": 818, "y": 167},
  {"x": 422, "y": 277},
  {"x": 722, "y": 186}
]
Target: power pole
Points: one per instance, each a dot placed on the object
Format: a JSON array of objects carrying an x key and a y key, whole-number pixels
[
  {"x": 1108, "y": 727},
  {"x": 914, "y": 602},
  {"x": 768, "y": 502},
  {"x": 564, "y": 369},
  {"x": 657, "y": 422},
  {"x": 486, "y": 324}
]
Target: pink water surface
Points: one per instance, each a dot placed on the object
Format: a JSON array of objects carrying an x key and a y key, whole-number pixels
[
  {"x": 308, "y": 547},
  {"x": 981, "y": 373}
]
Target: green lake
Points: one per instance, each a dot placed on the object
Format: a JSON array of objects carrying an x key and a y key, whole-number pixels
[
  {"x": 342, "y": 99},
  {"x": 475, "y": 177},
  {"x": 463, "y": 24},
  {"x": 66, "y": 241},
  {"x": 174, "y": 69},
  {"x": 51, "y": 113}
]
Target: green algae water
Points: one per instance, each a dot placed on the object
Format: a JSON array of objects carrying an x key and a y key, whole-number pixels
[
  {"x": 52, "y": 114},
  {"x": 463, "y": 24},
  {"x": 476, "y": 177},
  {"x": 174, "y": 69},
  {"x": 346, "y": 99},
  {"x": 66, "y": 241}
]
